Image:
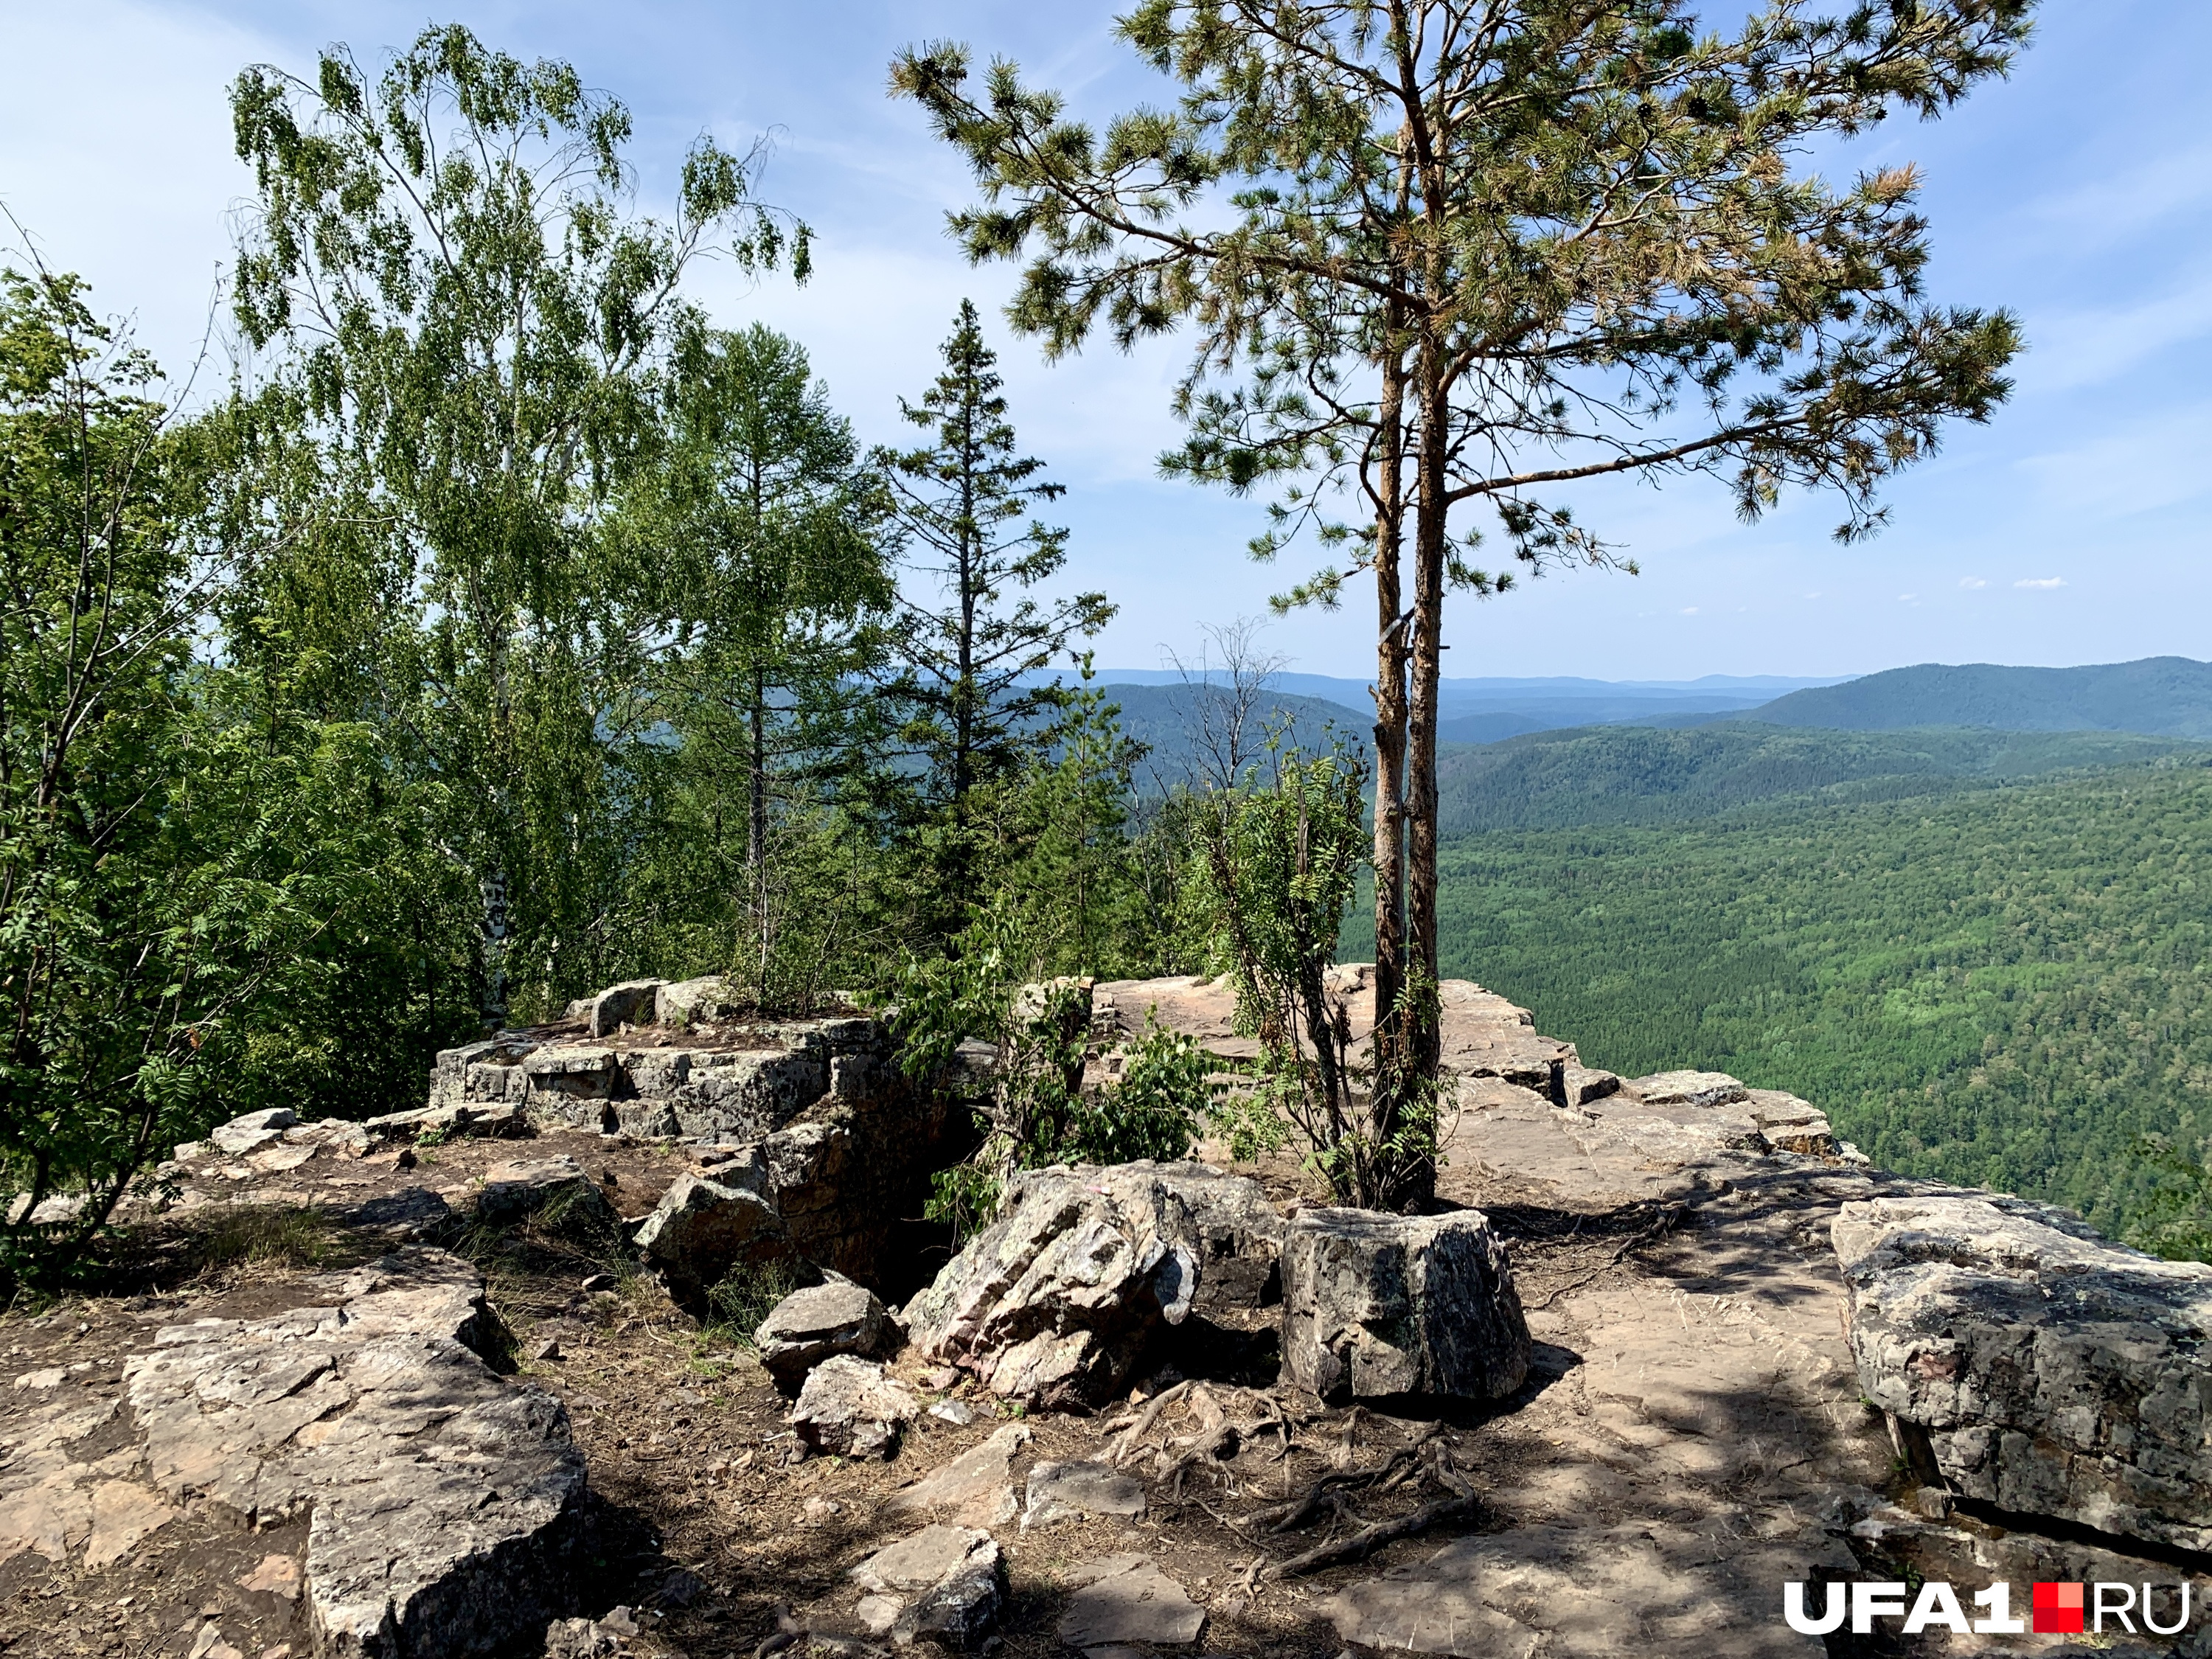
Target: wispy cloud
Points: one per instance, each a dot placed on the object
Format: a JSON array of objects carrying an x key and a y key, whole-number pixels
[
  {"x": 1971, "y": 581},
  {"x": 2148, "y": 464},
  {"x": 2041, "y": 581}
]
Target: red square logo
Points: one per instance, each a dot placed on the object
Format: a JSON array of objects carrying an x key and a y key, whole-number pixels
[{"x": 2057, "y": 1610}]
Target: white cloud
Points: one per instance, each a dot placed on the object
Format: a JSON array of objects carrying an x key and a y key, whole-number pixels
[
  {"x": 1906, "y": 599},
  {"x": 1689, "y": 610},
  {"x": 1971, "y": 581},
  {"x": 2041, "y": 581}
]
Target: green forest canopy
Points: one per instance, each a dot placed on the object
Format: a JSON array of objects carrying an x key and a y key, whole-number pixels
[{"x": 2005, "y": 987}]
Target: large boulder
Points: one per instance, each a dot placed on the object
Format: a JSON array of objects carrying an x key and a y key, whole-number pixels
[
  {"x": 630, "y": 1003},
  {"x": 703, "y": 1230},
  {"x": 816, "y": 1323},
  {"x": 1376, "y": 1305},
  {"x": 2051, "y": 1371},
  {"x": 445, "y": 1505},
  {"x": 1054, "y": 1303},
  {"x": 1224, "y": 1221},
  {"x": 253, "y": 1131}
]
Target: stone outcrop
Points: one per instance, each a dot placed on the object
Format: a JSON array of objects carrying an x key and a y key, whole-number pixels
[
  {"x": 444, "y": 1503},
  {"x": 2050, "y": 1371},
  {"x": 1054, "y": 1303},
  {"x": 849, "y": 1408},
  {"x": 812, "y": 1325},
  {"x": 522, "y": 1187},
  {"x": 847, "y": 1142},
  {"x": 1378, "y": 1305}
]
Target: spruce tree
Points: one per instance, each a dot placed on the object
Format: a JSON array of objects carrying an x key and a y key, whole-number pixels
[{"x": 966, "y": 500}]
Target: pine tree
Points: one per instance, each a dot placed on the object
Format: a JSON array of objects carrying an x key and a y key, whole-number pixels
[{"x": 1444, "y": 255}]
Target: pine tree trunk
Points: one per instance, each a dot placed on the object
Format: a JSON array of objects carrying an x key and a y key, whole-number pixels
[
  {"x": 1388, "y": 1053},
  {"x": 1413, "y": 1178}
]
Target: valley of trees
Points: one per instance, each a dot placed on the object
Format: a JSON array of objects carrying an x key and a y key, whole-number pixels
[{"x": 2009, "y": 987}]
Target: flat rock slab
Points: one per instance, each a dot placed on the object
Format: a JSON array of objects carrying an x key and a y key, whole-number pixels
[
  {"x": 1648, "y": 1590},
  {"x": 975, "y": 1487},
  {"x": 1075, "y": 1491},
  {"x": 1127, "y": 1598},
  {"x": 2052, "y": 1372},
  {"x": 444, "y": 1503},
  {"x": 1688, "y": 1089}
]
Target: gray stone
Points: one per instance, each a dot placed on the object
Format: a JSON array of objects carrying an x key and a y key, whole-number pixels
[
  {"x": 2050, "y": 1371},
  {"x": 630, "y": 1003},
  {"x": 944, "y": 1584},
  {"x": 1223, "y": 1221},
  {"x": 1377, "y": 1305},
  {"x": 975, "y": 1485},
  {"x": 701, "y": 1001},
  {"x": 1125, "y": 1598},
  {"x": 521, "y": 1188},
  {"x": 444, "y": 1504},
  {"x": 702, "y": 1230},
  {"x": 1688, "y": 1089},
  {"x": 809, "y": 1325},
  {"x": 451, "y": 1122},
  {"x": 410, "y": 1213},
  {"x": 253, "y": 1131},
  {"x": 1053, "y": 1303},
  {"x": 849, "y": 1408},
  {"x": 1075, "y": 1491},
  {"x": 565, "y": 1074}
]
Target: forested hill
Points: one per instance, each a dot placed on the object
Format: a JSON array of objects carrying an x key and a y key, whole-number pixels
[
  {"x": 2003, "y": 987},
  {"x": 1615, "y": 775},
  {"x": 2165, "y": 696}
]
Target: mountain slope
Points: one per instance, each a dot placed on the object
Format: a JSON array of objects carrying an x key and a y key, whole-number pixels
[
  {"x": 1622, "y": 775},
  {"x": 2163, "y": 696},
  {"x": 2005, "y": 987}
]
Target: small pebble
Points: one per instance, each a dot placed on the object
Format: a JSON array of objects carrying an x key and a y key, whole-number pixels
[
  {"x": 953, "y": 1411},
  {"x": 549, "y": 1349}
]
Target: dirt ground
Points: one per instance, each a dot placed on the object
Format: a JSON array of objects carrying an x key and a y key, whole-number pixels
[{"x": 705, "y": 1525}]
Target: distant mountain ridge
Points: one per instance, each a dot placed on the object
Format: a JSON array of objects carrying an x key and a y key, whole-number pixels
[
  {"x": 2158, "y": 696},
  {"x": 1628, "y": 774}
]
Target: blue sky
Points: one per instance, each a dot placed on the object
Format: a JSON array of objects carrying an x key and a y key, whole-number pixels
[{"x": 2075, "y": 528}]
